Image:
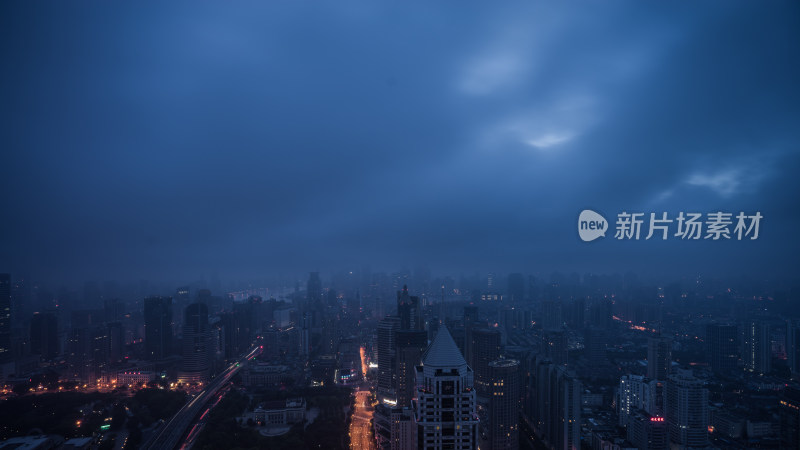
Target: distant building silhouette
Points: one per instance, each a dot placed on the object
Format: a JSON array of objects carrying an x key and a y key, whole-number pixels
[
  {"x": 659, "y": 357},
  {"x": 722, "y": 343},
  {"x": 5, "y": 317},
  {"x": 157, "y": 327}
]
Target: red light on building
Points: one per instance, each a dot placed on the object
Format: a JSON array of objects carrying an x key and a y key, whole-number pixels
[{"x": 656, "y": 419}]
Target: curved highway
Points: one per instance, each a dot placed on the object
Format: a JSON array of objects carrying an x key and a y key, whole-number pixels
[{"x": 169, "y": 435}]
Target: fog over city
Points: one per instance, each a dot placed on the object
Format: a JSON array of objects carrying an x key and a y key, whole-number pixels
[{"x": 158, "y": 141}]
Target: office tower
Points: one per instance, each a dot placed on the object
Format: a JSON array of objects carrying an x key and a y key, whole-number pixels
[
  {"x": 409, "y": 346},
  {"x": 793, "y": 347},
  {"x": 408, "y": 308},
  {"x": 157, "y": 327},
  {"x": 789, "y": 413},
  {"x": 659, "y": 357},
  {"x": 305, "y": 334},
  {"x": 116, "y": 342},
  {"x": 394, "y": 428},
  {"x": 516, "y": 288},
  {"x": 196, "y": 341},
  {"x": 555, "y": 346},
  {"x": 87, "y": 352},
  {"x": 387, "y": 329},
  {"x": 314, "y": 304},
  {"x": 648, "y": 432},
  {"x": 445, "y": 406},
  {"x": 595, "y": 343},
  {"x": 470, "y": 323},
  {"x": 44, "y": 335},
  {"x": 181, "y": 300},
  {"x": 722, "y": 347},
  {"x": 5, "y": 317},
  {"x": 556, "y": 415},
  {"x": 313, "y": 288},
  {"x": 757, "y": 347},
  {"x": 638, "y": 393},
  {"x": 501, "y": 430},
  {"x": 686, "y": 409},
  {"x": 485, "y": 348}
]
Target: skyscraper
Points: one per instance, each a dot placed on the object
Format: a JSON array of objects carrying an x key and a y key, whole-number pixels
[
  {"x": 757, "y": 347},
  {"x": 686, "y": 409},
  {"x": 485, "y": 349},
  {"x": 595, "y": 343},
  {"x": 386, "y": 388},
  {"x": 44, "y": 335},
  {"x": 659, "y": 357},
  {"x": 445, "y": 405},
  {"x": 408, "y": 308},
  {"x": 556, "y": 413},
  {"x": 501, "y": 430},
  {"x": 409, "y": 344},
  {"x": 5, "y": 317},
  {"x": 196, "y": 344},
  {"x": 722, "y": 345},
  {"x": 793, "y": 347},
  {"x": 157, "y": 327},
  {"x": 516, "y": 288}
]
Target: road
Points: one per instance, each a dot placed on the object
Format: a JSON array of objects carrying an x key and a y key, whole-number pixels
[
  {"x": 200, "y": 423},
  {"x": 170, "y": 434},
  {"x": 360, "y": 427}
]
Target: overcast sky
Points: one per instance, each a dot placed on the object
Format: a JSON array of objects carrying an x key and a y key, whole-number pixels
[{"x": 165, "y": 141}]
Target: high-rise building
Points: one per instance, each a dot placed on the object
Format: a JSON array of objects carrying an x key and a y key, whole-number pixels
[
  {"x": 116, "y": 342},
  {"x": 686, "y": 409},
  {"x": 659, "y": 357},
  {"x": 793, "y": 347},
  {"x": 408, "y": 308},
  {"x": 516, "y": 288},
  {"x": 44, "y": 335},
  {"x": 196, "y": 344},
  {"x": 409, "y": 346},
  {"x": 157, "y": 327},
  {"x": 387, "y": 385},
  {"x": 5, "y": 317},
  {"x": 556, "y": 414},
  {"x": 501, "y": 429},
  {"x": 485, "y": 348},
  {"x": 722, "y": 347},
  {"x": 595, "y": 343},
  {"x": 637, "y": 393},
  {"x": 648, "y": 432},
  {"x": 445, "y": 405},
  {"x": 757, "y": 347},
  {"x": 555, "y": 346}
]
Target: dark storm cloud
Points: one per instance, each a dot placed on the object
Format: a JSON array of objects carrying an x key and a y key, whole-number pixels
[{"x": 158, "y": 141}]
